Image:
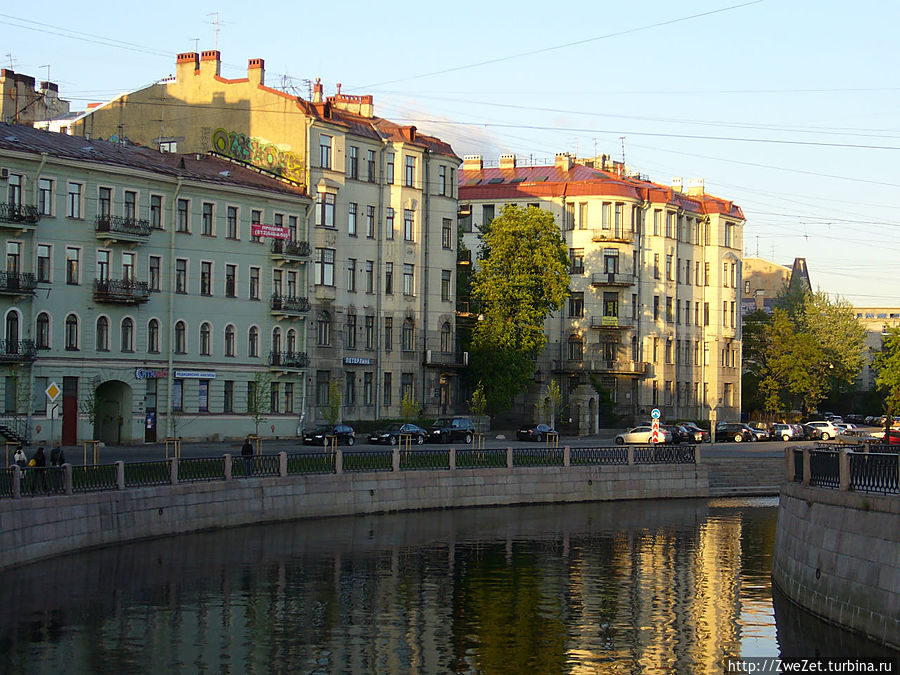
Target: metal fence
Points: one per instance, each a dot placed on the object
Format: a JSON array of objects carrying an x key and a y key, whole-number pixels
[
  {"x": 537, "y": 457},
  {"x": 664, "y": 454},
  {"x": 470, "y": 458},
  {"x": 310, "y": 462},
  {"x": 6, "y": 482},
  {"x": 138, "y": 474},
  {"x": 613, "y": 455},
  {"x": 94, "y": 478},
  {"x": 195, "y": 469},
  {"x": 875, "y": 472},
  {"x": 424, "y": 459},
  {"x": 825, "y": 469},
  {"x": 378, "y": 460}
]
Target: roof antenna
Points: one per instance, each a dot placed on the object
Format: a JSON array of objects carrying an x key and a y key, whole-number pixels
[
  {"x": 215, "y": 22},
  {"x": 622, "y": 138}
]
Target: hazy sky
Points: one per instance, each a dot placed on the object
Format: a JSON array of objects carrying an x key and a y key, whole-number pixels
[{"x": 788, "y": 107}]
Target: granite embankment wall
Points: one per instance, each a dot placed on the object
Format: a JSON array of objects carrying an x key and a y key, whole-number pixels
[
  {"x": 44, "y": 526},
  {"x": 837, "y": 555}
]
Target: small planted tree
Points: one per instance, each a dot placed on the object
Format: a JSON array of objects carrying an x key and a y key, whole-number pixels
[
  {"x": 335, "y": 399},
  {"x": 258, "y": 401},
  {"x": 478, "y": 402},
  {"x": 89, "y": 406},
  {"x": 553, "y": 398},
  {"x": 409, "y": 408}
]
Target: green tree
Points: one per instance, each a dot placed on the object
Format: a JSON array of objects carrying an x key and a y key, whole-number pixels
[
  {"x": 553, "y": 398},
  {"x": 258, "y": 399},
  {"x": 833, "y": 326},
  {"x": 523, "y": 276},
  {"x": 478, "y": 402},
  {"x": 795, "y": 374},
  {"x": 335, "y": 399},
  {"x": 887, "y": 364}
]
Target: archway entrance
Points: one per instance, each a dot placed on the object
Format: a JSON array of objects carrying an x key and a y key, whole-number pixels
[{"x": 112, "y": 413}]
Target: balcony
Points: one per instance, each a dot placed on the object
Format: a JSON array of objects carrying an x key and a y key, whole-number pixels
[
  {"x": 288, "y": 360},
  {"x": 121, "y": 229},
  {"x": 121, "y": 291},
  {"x": 17, "y": 351},
  {"x": 602, "y": 367},
  {"x": 613, "y": 236},
  {"x": 12, "y": 283},
  {"x": 611, "y": 322},
  {"x": 464, "y": 258},
  {"x": 18, "y": 215},
  {"x": 289, "y": 250},
  {"x": 611, "y": 279},
  {"x": 439, "y": 359},
  {"x": 288, "y": 306}
]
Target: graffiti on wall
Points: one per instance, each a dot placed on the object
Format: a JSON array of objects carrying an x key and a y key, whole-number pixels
[{"x": 258, "y": 153}]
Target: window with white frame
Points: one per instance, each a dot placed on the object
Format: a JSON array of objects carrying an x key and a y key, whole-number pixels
[
  {"x": 323, "y": 268},
  {"x": 325, "y": 151}
]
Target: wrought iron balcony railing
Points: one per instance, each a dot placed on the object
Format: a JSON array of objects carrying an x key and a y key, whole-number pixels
[
  {"x": 17, "y": 350},
  {"x": 289, "y": 305},
  {"x": 121, "y": 225},
  {"x": 290, "y": 249},
  {"x": 611, "y": 279},
  {"x": 19, "y": 213},
  {"x": 588, "y": 365},
  {"x": 296, "y": 360},
  {"x": 15, "y": 283},
  {"x": 121, "y": 291}
]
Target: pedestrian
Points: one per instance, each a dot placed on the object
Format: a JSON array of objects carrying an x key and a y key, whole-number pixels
[
  {"x": 247, "y": 454},
  {"x": 39, "y": 462},
  {"x": 57, "y": 459},
  {"x": 19, "y": 458}
]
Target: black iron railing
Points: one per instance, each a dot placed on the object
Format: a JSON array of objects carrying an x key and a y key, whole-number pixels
[
  {"x": 289, "y": 359},
  {"x": 285, "y": 303},
  {"x": 19, "y": 213},
  {"x": 127, "y": 291},
  {"x": 17, "y": 283},
  {"x": 612, "y": 455},
  {"x": 825, "y": 468},
  {"x": 122, "y": 225},
  {"x": 874, "y": 472},
  {"x": 287, "y": 247},
  {"x": 17, "y": 350}
]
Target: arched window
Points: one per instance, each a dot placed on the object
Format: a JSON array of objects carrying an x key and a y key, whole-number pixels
[
  {"x": 576, "y": 348},
  {"x": 180, "y": 337},
  {"x": 408, "y": 336},
  {"x": 446, "y": 339},
  {"x": 12, "y": 328},
  {"x": 153, "y": 336},
  {"x": 323, "y": 329},
  {"x": 291, "y": 341},
  {"x": 205, "y": 339},
  {"x": 276, "y": 340},
  {"x": 127, "y": 335},
  {"x": 253, "y": 342},
  {"x": 71, "y": 332},
  {"x": 43, "y": 331},
  {"x": 102, "y": 334},
  {"x": 229, "y": 340}
]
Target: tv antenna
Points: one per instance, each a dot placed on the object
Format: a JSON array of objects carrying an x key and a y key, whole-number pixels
[
  {"x": 216, "y": 23},
  {"x": 622, "y": 138}
]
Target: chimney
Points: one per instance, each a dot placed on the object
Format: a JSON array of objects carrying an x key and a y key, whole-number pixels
[
  {"x": 508, "y": 161},
  {"x": 256, "y": 71},
  {"x": 408, "y": 133},
  {"x": 317, "y": 92},
  {"x": 185, "y": 65},
  {"x": 472, "y": 163},
  {"x": 210, "y": 62},
  {"x": 677, "y": 184},
  {"x": 563, "y": 161},
  {"x": 696, "y": 187}
]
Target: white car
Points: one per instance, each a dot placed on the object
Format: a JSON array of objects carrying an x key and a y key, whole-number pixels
[
  {"x": 642, "y": 436},
  {"x": 827, "y": 430}
]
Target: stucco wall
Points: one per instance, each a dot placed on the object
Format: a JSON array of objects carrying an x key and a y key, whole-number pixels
[
  {"x": 837, "y": 555},
  {"x": 41, "y": 527}
]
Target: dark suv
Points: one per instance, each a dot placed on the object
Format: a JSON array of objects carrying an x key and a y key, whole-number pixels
[
  {"x": 733, "y": 431},
  {"x": 451, "y": 430}
]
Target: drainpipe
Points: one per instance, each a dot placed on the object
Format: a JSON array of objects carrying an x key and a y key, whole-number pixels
[
  {"x": 170, "y": 374},
  {"x": 37, "y": 181},
  {"x": 379, "y": 291},
  {"x": 425, "y": 232},
  {"x": 644, "y": 209}
]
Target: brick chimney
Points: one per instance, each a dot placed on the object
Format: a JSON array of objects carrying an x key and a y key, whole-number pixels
[
  {"x": 317, "y": 92},
  {"x": 507, "y": 161},
  {"x": 696, "y": 187},
  {"x": 185, "y": 65},
  {"x": 210, "y": 62},
  {"x": 472, "y": 163},
  {"x": 256, "y": 71},
  {"x": 408, "y": 133},
  {"x": 564, "y": 161},
  {"x": 678, "y": 184}
]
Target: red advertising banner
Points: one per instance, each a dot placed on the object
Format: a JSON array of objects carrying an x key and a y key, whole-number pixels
[{"x": 270, "y": 231}]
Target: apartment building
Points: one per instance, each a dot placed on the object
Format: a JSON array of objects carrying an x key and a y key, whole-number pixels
[
  {"x": 382, "y": 230},
  {"x": 764, "y": 280},
  {"x": 22, "y": 103},
  {"x": 136, "y": 283},
  {"x": 653, "y": 318},
  {"x": 876, "y": 320}
]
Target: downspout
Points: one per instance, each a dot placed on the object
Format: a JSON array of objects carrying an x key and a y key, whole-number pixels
[
  {"x": 379, "y": 264},
  {"x": 643, "y": 210},
  {"x": 425, "y": 232},
  {"x": 170, "y": 374},
  {"x": 310, "y": 213},
  {"x": 37, "y": 181}
]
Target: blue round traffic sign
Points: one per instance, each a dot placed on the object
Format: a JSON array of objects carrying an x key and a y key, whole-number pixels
[{"x": 655, "y": 413}]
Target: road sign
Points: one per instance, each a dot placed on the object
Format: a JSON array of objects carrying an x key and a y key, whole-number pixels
[
  {"x": 655, "y": 435},
  {"x": 53, "y": 391},
  {"x": 655, "y": 413}
]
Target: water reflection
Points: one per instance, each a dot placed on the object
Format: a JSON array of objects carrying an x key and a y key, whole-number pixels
[{"x": 615, "y": 588}]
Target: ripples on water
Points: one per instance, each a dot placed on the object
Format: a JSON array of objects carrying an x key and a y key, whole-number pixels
[{"x": 627, "y": 587}]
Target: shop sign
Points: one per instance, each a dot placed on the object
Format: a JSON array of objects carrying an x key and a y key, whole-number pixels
[
  {"x": 195, "y": 374},
  {"x": 150, "y": 373}
]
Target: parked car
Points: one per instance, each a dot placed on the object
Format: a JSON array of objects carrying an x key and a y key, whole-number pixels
[
  {"x": 642, "y": 435},
  {"x": 809, "y": 433},
  {"x": 694, "y": 433},
  {"x": 397, "y": 432},
  {"x": 847, "y": 429},
  {"x": 760, "y": 431},
  {"x": 733, "y": 431},
  {"x": 452, "y": 430},
  {"x": 540, "y": 433},
  {"x": 786, "y": 432},
  {"x": 827, "y": 430},
  {"x": 323, "y": 435}
]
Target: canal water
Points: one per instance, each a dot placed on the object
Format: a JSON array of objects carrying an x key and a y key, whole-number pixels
[{"x": 627, "y": 587}]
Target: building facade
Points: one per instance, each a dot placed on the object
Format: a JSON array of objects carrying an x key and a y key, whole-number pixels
[
  {"x": 764, "y": 280},
  {"x": 876, "y": 321},
  {"x": 134, "y": 282},
  {"x": 382, "y": 230},
  {"x": 653, "y": 318},
  {"x": 21, "y": 103}
]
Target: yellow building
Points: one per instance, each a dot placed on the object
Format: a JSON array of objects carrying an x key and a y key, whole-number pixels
[
  {"x": 383, "y": 228},
  {"x": 763, "y": 280}
]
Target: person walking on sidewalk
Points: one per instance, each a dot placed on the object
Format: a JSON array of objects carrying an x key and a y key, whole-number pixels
[{"x": 247, "y": 454}]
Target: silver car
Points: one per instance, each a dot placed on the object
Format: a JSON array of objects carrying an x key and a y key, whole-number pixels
[{"x": 642, "y": 436}]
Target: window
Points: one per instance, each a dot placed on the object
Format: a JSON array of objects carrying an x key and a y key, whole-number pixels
[
  {"x": 657, "y": 217},
  {"x": 43, "y": 263},
  {"x": 388, "y": 333},
  {"x": 669, "y": 350},
  {"x": 669, "y": 317},
  {"x": 254, "y": 283},
  {"x": 387, "y": 386},
  {"x": 370, "y": 276},
  {"x": 252, "y": 402},
  {"x": 255, "y": 219},
  {"x": 73, "y": 200},
  {"x": 182, "y": 224},
  {"x": 231, "y": 222},
  {"x": 725, "y": 274},
  {"x": 73, "y": 266},
  {"x": 656, "y": 308},
  {"x": 389, "y": 223},
  {"x": 389, "y": 278},
  {"x": 130, "y": 204},
  {"x": 410, "y": 171},
  {"x": 180, "y": 337},
  {"x": 101, "y": 340},
  {"x": 206, "y": 278},
  {"x": 408, "y": 225},
  {"x": 706, "y": 274},
  {"x": 656, "y": 265},
  {"x": 207, "y": 223},
  {"x": 156, "y": 212},
  {"x": 229, "y": 340},
  {"x": 575, "y": 350},
  {"x": 442, "y": 180},
  {"x": 71, "y": 332},
  {"x": 446, "y": 339},
  {"x": 292, "y": 227},
  {"x": 253, "y": 342},
  {"x": 408, "y": 336},
  {"x": 103, "y": 265},
  {"x": 576, "y": 305},
  {"x": 205, "y": 335},
  {"x": 230, "y": 281},
  {"x": 408, "y": 279},
  {"x": 687, "y": 272},
  {"x": 576, "y": 256},
  {"x": 447, "y": 233},
  {"x": 705, "y": 313},
  {"x": 274, "y": 396},
  {"x": 181, "y": 275},
  {"x": 487, "y": 214},
  {"x": 370, "y": 222},
  {"x": 203, "y": 396},
  {"x": 350, "y": 338},
  {"x": 325, "y": 209},
  {"x": 569, "y": 218},
  {"x": 43, "y": 331},
  {"x": 45, "y": 196},
  {"x": 178, "y": 394},
  {"x": 104, "y": 204},
  {"x": 128, "y": 264},
  {"x": 323, "y": 329},
  {"x": 325, "y": 151},
  {"x": 323, "y": 379},
  {"x": 127, "y": 334},
  {"x": 611, "y": 304},
  {"x": 445, "y": 285},
  {"x": 389, "y": 179},
  {"x": 370, "y": 165},
  {"x": 367, "y": 389},
  {"x": 353, "y": 162},
  {"x": 669, "y": 273},
  {"x": 276, "y": 339},
  {"x": 670, "y": 224},
  {"x": 324, "y": 267},
  {"x": 153, "y": 336},
  {"x": 465, "y": 217},
  {"x": 611, "y": 261},
  {"x": 288, "y": 397},
  {"x": 277, "y": 275},
  {"x": 729, "y": 235},
  {"x": 351, "y": 218},
  {"x": 370, "y": 332}
]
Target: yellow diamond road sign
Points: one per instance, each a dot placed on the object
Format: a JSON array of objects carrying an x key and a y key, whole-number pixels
[{"x": 53, "y": 391}]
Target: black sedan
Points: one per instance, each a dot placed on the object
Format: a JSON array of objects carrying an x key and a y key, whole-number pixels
[
  {"x": 327, "y": 434},
  {"x": 540, "y": 433},
  {"x": 733, "y": 431},
  {"x": 399, "y": 433}
]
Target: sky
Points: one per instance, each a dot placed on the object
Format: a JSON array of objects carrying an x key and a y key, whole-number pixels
[{"x": 787, "y": 107}]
